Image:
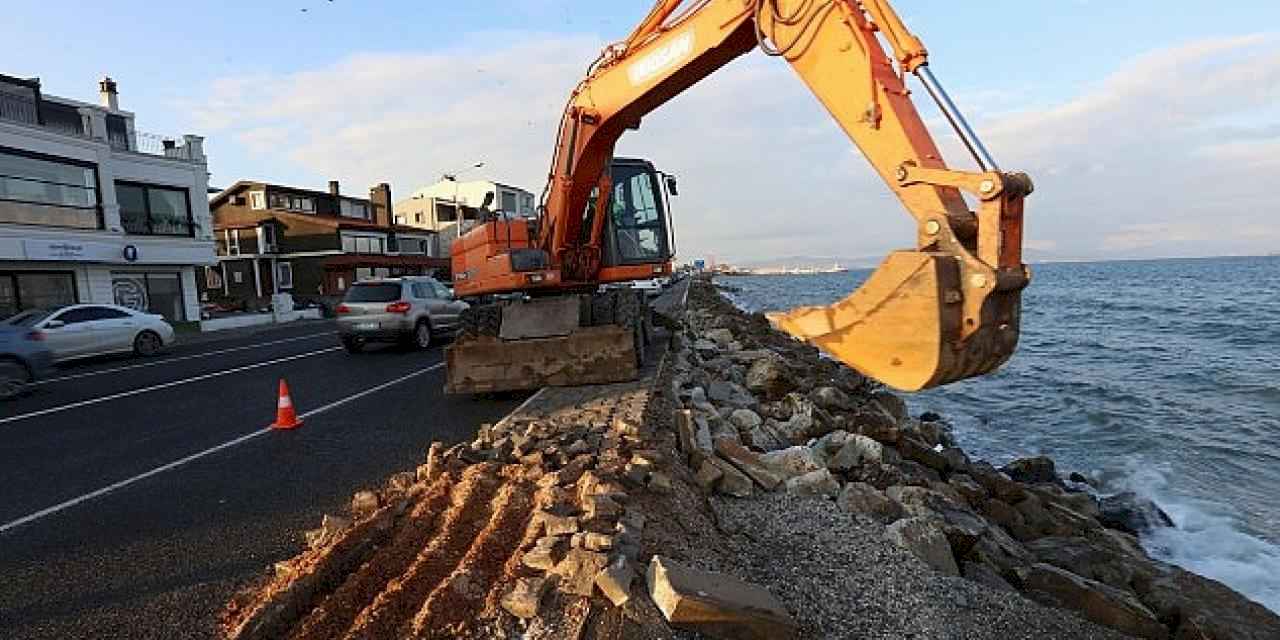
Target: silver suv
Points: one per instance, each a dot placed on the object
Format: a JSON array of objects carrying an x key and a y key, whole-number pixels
[{"x": 412, "y": 311}]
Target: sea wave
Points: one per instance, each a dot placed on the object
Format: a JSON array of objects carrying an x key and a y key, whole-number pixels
[
  {"x": 1160, "y": 376},
  {"x": 1208, "y": 538}
]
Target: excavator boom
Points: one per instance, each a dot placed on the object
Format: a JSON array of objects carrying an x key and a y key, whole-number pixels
[{"x": 944, "y": 310}]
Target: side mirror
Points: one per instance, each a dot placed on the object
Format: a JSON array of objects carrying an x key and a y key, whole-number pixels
[
  {"x": 54, "y": 324},
  {"x": 671, "y": 185}
]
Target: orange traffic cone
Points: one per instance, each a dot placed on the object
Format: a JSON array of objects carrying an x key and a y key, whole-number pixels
[{"x": 286, "y": 417}]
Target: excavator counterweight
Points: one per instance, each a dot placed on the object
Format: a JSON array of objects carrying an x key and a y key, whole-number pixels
[{"x": 944, "y": 310}]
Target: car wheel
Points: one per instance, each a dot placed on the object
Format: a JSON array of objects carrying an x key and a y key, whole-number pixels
[
  {"x": 147, "y": 344},
  {"x": 352, "y": 345},
  {"x": 14, "y": 379},
  {"x": 422, "y": 335}
]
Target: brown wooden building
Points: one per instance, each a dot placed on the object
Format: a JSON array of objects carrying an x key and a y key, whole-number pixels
[{"x": 312, "y": 244}]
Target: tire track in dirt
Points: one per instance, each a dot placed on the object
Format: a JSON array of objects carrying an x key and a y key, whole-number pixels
[
  {"x": 462, "y": 594},
  {"x": 469, "y": 513},
  {"x": 334, "y": 616}
]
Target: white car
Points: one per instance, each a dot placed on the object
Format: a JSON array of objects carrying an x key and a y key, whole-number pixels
[{"x": 83, "y": 330}]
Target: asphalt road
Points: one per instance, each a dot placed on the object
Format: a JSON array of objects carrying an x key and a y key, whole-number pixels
[{"x": 137, "y": 495}]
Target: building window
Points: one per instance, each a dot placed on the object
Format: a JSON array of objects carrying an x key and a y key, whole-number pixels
[
  {"x": 284, "y": 275},
  {"x": 354, "y": 209},
  {"x": 46, "y": 191},
  {"x": 509, "y": 202},
  {"x": 159, "y": 293},
  {"x": 233, "y": 241},
  {"x": 154, "y": 211},
  {"x": 363, "y": 244},
  {"x": 292, "y": 202},
  {"x": 35, "y": 290},
  {"x": 417, "y": 217},
  {"x": 257, "y": 200}
]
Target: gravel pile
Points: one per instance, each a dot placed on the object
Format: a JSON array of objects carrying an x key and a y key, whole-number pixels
[{"x": 843, "y": 579}]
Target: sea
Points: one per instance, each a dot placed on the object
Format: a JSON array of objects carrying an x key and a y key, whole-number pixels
[{"x": 1160, "y": 377}]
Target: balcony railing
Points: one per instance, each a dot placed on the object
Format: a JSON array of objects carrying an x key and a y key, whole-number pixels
[{"x": 158, "y": 145}]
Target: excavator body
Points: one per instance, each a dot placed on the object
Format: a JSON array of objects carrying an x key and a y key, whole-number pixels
[
  {"x": 595, "y": 333},
  {"x": 944, "y": 310}
]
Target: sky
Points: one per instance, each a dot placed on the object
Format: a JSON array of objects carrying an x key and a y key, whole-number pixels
[{"x": 1151, "y": 127}]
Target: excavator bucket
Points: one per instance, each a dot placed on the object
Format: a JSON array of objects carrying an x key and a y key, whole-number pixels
[{"x": 911, "y": 327}]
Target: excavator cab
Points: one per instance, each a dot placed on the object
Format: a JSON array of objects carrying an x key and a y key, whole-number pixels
[{"x": 638, "y": 229}]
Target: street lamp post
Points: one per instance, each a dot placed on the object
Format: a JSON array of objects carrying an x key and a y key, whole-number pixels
[{"x": 457, "y": 206}]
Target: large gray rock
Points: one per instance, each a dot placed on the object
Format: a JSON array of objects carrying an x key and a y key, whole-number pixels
[
  {"x": 998, "y": 550},
  {"x": 1098, "y": 602},
  {"x": 914, "y": 450},
  {"x": 769, "y": 377},
  {"x": 1204, "y": 608},
  {"x": 1087, "y": 558},
  {"x": 790, "y": 462},
  {"x": 996, "y": 483},
  {"x": 831, "y": 399},
  {"x": 1132, "y": 514},
  {"x": 860, "y": 497},
  {"x": 722, "y": 337},
  {"x": 857, "y": 451},
  {"x": 766, "y": 436},
  {"x": 745, "y": 420},
  {"x": 924, "y": 538},
  {"x": 1036, "y": 470},
  {"x": 892, "y": 405},
  {"x": 814, "y": 483},
  {"x": 730, "y": 394}
]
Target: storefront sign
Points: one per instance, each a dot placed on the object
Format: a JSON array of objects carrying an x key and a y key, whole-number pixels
[{"x": 180, "y": 252}]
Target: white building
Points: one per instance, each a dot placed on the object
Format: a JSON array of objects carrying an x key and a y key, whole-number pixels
[
  {"x": 93, "y": 210},
  {"x": 437, "y": 207}
]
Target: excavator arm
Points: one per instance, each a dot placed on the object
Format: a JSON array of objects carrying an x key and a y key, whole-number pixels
[{"x": 947, "y": 309}]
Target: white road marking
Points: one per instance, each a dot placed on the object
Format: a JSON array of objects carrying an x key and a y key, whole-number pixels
[
  {"x": 88, "y": 374},
  {"x": 165, "y": 385},
  {"x": 207, "y": 452}
]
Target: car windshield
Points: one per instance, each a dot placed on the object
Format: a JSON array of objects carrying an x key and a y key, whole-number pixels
[
  {"x": 29, "y": 317},
  {"x": 381, "y": 292}
]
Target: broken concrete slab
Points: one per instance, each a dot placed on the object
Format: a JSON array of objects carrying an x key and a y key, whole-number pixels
[
  {"x": 716, "y": 604},
  {"x": 748, "y": 462}
]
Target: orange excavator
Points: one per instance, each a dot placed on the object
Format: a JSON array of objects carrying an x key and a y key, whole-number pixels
[{"x": 946, "y": 310}]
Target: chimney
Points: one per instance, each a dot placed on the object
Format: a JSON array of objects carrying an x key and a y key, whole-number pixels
[
  {"x": 333, "y": 187},
  {"x": 107, "y": 89},
  {"x": 380, "y": 196}
]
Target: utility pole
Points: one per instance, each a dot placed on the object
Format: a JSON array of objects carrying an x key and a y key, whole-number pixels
[{"x": 457, "y": 206}]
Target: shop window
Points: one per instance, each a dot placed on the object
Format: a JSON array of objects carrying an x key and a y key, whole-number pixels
[
  {"x": 159, "y": 293},
  {"x": 22, "y": 291}
]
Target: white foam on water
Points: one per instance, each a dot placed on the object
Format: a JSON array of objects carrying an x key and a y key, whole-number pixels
[{"x": 1208, "y": 539}]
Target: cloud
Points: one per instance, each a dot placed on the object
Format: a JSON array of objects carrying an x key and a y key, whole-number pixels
[{"x": 1170, "y": 151}]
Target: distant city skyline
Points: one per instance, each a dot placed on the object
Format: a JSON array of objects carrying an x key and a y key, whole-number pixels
[{"x": 1151, "y": 130}]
